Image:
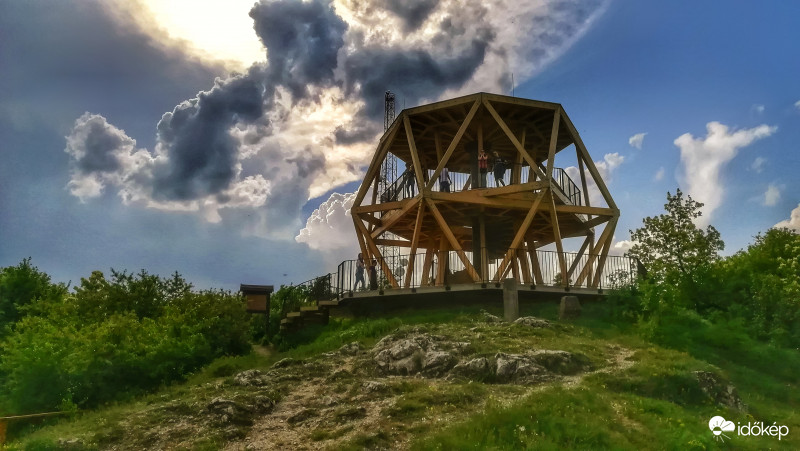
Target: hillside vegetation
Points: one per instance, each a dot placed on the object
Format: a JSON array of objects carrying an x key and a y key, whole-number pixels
[{"x": 137, "y": 361}]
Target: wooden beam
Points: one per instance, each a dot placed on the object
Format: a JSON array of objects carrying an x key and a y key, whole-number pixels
[
  {"x": 376, "y": 252},
  {"x": 523, "y": 261},
  {"x": 377, "y": 162},
  {"x": 388, "y": 206},
  {"x": 601, "y": 184},
  {"x": 516, "y": 171},
  {"x": 385, "y": 225},
  {"x": 520, "y": 235},
  {"x": 360, "y": 238},
  {"x": 513, "y": 138},
  {"x": 426, "y": 266},
  {"x": 453, "y": 144},
  {"x": 452, "y": 240},
  {"x": 551, "y": 154},
  {"x": 603, "y": 255},
  {"x": 579, "y": 256},
  {"x": 443, "y": 256},
  {"x": 412, "y": 147},
  {"x": 513, "y": 189},
  {"x": 369, "y": 218},
  {"x": 414, "y": 243},
  {"x": 391, "y": 242},
  {"x": 537, "y": 268},
  {"x": 559, "y": 247},
  {"x": 597, "y": 248}
]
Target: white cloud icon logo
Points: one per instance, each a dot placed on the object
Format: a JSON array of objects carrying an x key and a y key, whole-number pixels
[{"x": 719, "y": 426}]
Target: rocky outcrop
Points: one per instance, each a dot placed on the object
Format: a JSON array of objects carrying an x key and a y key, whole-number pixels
[
  {"x": 532, "y": 321},
  {"x": 432, "y": 356},
  {"x": 719, "y": 390}
]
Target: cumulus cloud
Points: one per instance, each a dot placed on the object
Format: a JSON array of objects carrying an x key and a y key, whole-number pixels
[
  {"x": 621, "y": 247},
  {"x": 772, "y": 195},
  {"x": 758, "y": 164},
  {"x": 797, "y": 104},
  {"x": 306, "y": 121},
  {"x": 702, "y": 161},
  {"x": 758, "y": 109},
  {"x": 659, "y": 174},
  {"x": 637, "y": 140},
  {"x": 606, "y": 168},
  {"x": 793, "y": 222}
]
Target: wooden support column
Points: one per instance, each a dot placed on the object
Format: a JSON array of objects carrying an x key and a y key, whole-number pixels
[
  {"x": 452, "y": 240},
  {"x": 441, "y": 270},
  {"x": 551, "y": 155},
  {"x": 579, "y": 256},
  {"x": 586, "y": 271},
  {"x": 522, "y": 256},
  {"x": 414, "y": 243},
  {"x": 412, "y": 147},
  {"x": 516, "y": 171},
  {"x": 483, "y": 251},
  {"x": 537, "y": 268},
  {"x": 557, "y": 235},
  {"x": 513, "y": 138},
  {"x": 375, "y": 252},
  {"x": 377, "y": 162},
  {"x": 603, "y": 255},
  {"x": 456, "y": 140},
  {"x": 523, "y": 229},
  {"x": 426, "y": 266}
]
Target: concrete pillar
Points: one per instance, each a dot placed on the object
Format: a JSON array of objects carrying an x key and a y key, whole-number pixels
[
  {"x": 510, "y": 300},
  {"x": 570, "y": 307}
]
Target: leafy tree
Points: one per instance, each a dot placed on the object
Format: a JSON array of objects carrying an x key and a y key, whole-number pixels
[
  {"x": 19, "y": 286},
  {"x": 671, "y": 246}
]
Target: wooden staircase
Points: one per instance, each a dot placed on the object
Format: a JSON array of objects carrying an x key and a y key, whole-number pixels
[{"x": 318, "y": 314}]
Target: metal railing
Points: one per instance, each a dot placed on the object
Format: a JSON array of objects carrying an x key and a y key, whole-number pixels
[
  {"x": 538, "y": 268},
  {"x": 405, "y": 186}
]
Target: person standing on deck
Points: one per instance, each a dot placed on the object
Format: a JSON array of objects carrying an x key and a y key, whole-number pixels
[
  {"x": 359, "y": 272},
  {"x": 499, "y": 170},
  {"x": 444, "y": 181},
  {"x": 410, "y": 180},
  {"x": 483, "y": 167}
]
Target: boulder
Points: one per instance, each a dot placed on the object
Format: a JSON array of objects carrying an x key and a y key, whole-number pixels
[
  {"x": 719, "y": 390},
  {"x": 532, "y": 321},
  {"x": 226, "y": 411},
  {"x": 250, "y": 378}
]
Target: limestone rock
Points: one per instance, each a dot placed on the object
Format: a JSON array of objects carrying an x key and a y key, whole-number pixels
[
  {"x": 250, "y": 378},
  {"x": 225, "y": 411},
  {"x": 532, "y": 321},
  {"x": 719, "y": 390},
  {"x": 350, "y": 349}
]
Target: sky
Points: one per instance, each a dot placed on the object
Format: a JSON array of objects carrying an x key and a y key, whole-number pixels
[{"x": 225, "y": 139}]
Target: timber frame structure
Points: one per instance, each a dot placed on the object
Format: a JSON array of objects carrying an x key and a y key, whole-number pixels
[{"x": 538, "y": 205}]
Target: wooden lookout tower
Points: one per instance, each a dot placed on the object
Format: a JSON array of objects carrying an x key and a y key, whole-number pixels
[{"x": 505, "y": 200}]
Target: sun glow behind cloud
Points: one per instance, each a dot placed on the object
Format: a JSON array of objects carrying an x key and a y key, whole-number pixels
[{"x": 218, "y": 30}]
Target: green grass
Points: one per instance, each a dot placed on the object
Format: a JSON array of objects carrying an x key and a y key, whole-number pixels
[{"x": 655, "y": 403}]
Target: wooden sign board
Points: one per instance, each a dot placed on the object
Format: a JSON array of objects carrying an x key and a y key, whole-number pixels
[{"x": 257, "y": 297}]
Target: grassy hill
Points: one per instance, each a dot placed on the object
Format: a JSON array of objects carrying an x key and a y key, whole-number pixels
[{"x": 458, "y": 378}]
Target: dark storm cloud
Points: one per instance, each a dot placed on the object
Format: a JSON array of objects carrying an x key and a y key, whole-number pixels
[
  {"x": 412, "y": 12},
  {"x": 95, "y": 144},
  {"x": 419, "y": 73},
  {"x": 302, "y": 41},
  {"x": 201, "y": 154}
]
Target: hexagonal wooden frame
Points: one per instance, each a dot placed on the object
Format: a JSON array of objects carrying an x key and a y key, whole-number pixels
[{"x": 527, "y": 215}]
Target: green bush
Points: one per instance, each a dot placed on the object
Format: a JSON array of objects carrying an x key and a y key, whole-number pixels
[{"x": 114, "y": 338}]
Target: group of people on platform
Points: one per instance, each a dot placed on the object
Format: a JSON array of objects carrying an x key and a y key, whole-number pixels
[
  {"x": 497, "y": 165},
  {"x": 373, "y": 273}
]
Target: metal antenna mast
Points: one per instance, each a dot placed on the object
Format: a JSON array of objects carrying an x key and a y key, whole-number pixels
[{"x": 387, "y": 179}]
